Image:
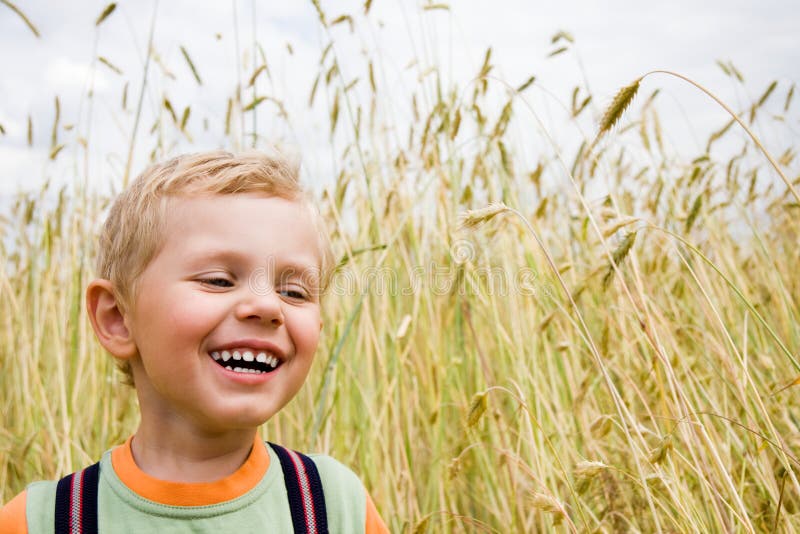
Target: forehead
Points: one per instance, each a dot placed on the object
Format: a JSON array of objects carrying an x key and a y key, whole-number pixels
[{"x": 245, "y": 225}]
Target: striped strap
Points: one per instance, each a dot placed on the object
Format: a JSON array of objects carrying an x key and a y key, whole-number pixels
[
  {"x": 304, "y": 488},
  {"x": 76, "y": 502}
]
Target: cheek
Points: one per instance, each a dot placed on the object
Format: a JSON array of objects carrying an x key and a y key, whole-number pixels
[
  {"x": 176, "y": 320},
  {"x": 305, "y": 331},
  {"x": 194, "y": 316}
]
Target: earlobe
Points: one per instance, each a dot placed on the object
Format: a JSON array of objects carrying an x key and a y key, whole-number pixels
[{"x": 108, "y": 320}]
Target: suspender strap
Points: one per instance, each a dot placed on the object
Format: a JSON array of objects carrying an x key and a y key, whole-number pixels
[
  {"x": 76, "y": 496},
  {"x": 304, "y": 488},
  {"x": 76, "y": 502}
]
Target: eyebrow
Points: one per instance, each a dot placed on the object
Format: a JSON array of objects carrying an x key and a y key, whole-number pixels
[
  {"x": 297, "y": 264},
  {"x": 214, "y": 255}
]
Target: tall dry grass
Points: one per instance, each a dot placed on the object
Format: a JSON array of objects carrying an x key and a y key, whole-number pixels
[{"x": 506, "y": 350}]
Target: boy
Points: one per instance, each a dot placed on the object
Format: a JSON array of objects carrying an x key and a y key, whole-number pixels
[{"x": 211, "y": 269}]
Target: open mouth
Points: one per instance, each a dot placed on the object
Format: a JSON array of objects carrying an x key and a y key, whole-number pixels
[{"x": 247, "y": 361}]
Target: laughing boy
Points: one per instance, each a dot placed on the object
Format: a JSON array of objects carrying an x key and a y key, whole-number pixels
[{"x": 211, "y": 268}]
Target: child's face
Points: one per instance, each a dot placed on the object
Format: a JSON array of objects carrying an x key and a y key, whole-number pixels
[{"x": 232, "y": 279}]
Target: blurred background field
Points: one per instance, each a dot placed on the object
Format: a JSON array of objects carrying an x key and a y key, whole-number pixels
[{"x": 545, "y": 317}]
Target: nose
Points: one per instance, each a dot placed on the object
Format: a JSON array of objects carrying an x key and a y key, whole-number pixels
[{"x": 263, "y": 306}]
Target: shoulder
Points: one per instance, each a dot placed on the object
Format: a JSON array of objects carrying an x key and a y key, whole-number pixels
[
  {"x": 336, "y": 475},
  {"x": 30, "y": 509},
  {"x": 345, "y": 489},
  {"x": 345, "y": 496},
  {"x": 336, "y": 478},
  {"x": 348, "y": 506},
  {"x": 33, "y": 510},
  {"x": 12, "y": 515}
]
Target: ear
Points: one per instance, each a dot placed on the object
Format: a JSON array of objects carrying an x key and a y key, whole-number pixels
[{"x": 108, "y": 320}]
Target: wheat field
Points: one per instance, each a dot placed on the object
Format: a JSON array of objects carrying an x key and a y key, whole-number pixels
[{"x": 599, "y": 335}]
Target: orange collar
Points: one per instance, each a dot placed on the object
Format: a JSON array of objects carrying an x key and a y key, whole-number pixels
[{"x": 190, "y": 493}]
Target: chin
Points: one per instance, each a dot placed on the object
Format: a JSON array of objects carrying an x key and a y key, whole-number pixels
[{"x": 241, "y": 418}]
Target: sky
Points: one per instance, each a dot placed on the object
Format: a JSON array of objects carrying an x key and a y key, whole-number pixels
[{"x": 615, "y": 42}]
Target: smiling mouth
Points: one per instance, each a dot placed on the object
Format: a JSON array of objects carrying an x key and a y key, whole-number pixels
[{"x": 246, "y": 361}]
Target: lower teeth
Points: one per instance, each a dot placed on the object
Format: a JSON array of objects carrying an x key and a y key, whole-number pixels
[{"x": 243, "y": 370}]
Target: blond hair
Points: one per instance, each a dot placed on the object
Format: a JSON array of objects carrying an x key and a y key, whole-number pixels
[{"x": 134, "y": 230}]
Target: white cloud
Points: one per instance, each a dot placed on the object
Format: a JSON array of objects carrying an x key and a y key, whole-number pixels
[
  {"x": 64, "y": 73},
  {"x": 21, "y": 163}
]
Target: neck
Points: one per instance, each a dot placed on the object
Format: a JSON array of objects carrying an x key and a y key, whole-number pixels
[{"x": 179, "y": 452}]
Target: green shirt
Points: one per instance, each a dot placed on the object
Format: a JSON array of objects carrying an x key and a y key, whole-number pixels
[{"x": 264, "y": 508}]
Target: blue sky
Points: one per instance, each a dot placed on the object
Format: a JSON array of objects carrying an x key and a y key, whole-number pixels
[{"x": 616, "y": 41}]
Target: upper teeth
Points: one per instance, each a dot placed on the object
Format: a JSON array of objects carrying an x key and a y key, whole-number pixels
[{"x": 246, "y": 355}]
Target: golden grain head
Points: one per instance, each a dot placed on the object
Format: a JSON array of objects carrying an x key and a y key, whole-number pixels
[
  {"x": 474, "y": 218},
  {"x": 105, "y": 13},
  {"x": 190, "y": 63},
  {"x": 454, "y": 468},
  {"x": 546, "y": 503},
  {"x": 588, "y": 469},
  {"x": 477, "y": 408},
  {"x": 618, "y": 256},
  {"x": 659, "y": 453},
  {"x": 601, "y": 426},
  {"x": 618, "y": 105},
  {"x": 22, "y": 16}
]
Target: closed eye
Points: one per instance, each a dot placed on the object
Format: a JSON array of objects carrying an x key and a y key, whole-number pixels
[
  {"x": 216, "y": 282},
  {"x": 293, "y": 294}
]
